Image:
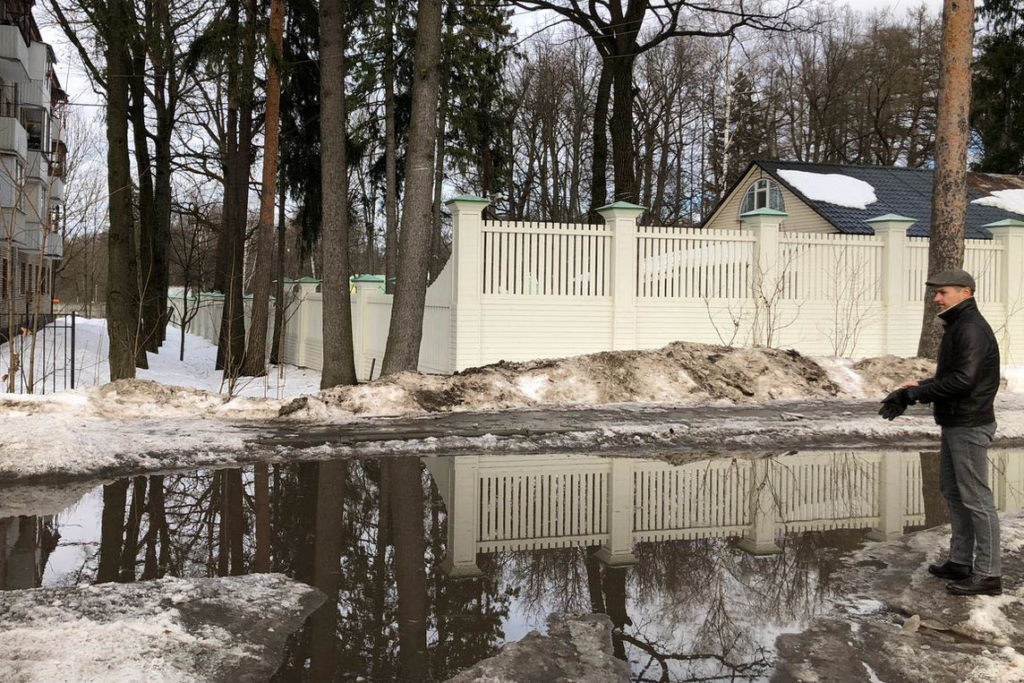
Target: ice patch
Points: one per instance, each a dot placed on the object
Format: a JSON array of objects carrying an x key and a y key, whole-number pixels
[
  {"x": 532, "y": 386},
  {"x": 832, "y": 188},
  {"x": 1007, "y": 200},
  {"x": 988, "y": 618},
  {"x": 1014, "y": 376},
  {"x": 872, "y": 676}
]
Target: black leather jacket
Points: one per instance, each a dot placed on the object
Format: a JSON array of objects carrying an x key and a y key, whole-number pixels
[{"x": 967, "y": 376}]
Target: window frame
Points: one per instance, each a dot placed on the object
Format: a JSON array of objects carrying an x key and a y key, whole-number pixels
[{"x": 762, "y": 189}]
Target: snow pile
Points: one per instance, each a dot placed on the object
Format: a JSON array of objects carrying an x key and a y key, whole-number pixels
[
  {"x": 1007, "y": 200},
  {"x": 197, "y": 370},
  {"x": 681, "y": 373},
  {"x": 833, "y": 188},
  {"x": 232, "y": 628}
]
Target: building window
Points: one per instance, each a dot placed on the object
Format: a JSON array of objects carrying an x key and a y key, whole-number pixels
[
  {"x": 763, "y": 194},
  {"x": 34, "y": 121}
]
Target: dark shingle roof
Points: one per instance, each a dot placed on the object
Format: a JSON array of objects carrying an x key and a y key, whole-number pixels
[{"x": 902, "y": 191}]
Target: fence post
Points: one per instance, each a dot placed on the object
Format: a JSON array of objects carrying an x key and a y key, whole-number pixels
[
  {"x": 763, "y": 506},
  {"x": 618, "y": 550},
  {"x": 621, "y": 218},
  {"x": 463, "y": 489},
  {"x": 307, "y": 286},
  {"x": 364, "y": 286},
  {"x": 1010, "y": 232},
  {"x": 767, "y": 271},
  {"x": 893, "y": 231},
  {"x": 466, "y": 347},
  {"x": 891, "y": 497}
]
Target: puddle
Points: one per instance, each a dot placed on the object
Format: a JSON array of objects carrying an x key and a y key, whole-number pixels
[{"x": 431, "y": 564}]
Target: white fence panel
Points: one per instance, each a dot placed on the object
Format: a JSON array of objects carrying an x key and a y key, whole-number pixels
[{"x": 686, "y": 263}]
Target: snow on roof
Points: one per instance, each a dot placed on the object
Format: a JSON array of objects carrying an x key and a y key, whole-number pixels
[
  {"x": 833, "y": 188},
  {"x": 1007, "y": 200}
]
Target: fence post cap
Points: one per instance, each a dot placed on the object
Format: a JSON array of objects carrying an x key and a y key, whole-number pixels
[
  {"x": 621, "y": 205},
  {"x": 891, "y": 218},
  {"x": 763, "y": 212},
  {"x": 1005, "y": 223},
  {"x": 468, "y": 199}
]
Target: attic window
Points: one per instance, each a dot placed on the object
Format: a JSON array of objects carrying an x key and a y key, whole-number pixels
[{"x": 763, "y": 194}]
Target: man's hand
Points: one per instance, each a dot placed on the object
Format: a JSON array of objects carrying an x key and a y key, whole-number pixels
[
  {"x": 895, "y": 404},
  {"x": 908, "y": 385}
]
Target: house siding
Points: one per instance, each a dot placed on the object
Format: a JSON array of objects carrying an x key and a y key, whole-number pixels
[{"x": 801, "y": 218}]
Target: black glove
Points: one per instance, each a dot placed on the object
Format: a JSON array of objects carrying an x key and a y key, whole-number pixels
[{"x": 895, "y": 404}]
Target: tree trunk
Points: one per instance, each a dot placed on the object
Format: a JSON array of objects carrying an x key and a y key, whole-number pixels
[
  {"x": 390, "y": 157},
  {"x": 599, "y": 158},
  {"x": 261, "y": 486},
  {"x": 162, "y": 201},
  {"x": 410, "y": 574},
  {"x": 130, "y": 551},
  {"x": 329, "y": 534},
  {"x": 122, "y": 276},
  {"x": 622, "y": 129},
  {"x": 256, "y": 350},
  {"x": 406, "y": 329},
  {"x": 279, "y": 303},
  {"x": 338, "y": 364},
  {"x": 112, "y": 530},
  {"x": 230, "y": 245},
  {"x": 436, "y": 264},
  {"x": 949, "y": 193},
  {"x": 146, "y": 222}
]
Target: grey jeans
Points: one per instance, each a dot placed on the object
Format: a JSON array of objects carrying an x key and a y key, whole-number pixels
[{"x": 963, "y": 480}]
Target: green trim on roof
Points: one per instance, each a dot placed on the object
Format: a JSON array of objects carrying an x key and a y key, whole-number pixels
[
  {"x": 469, "y": 199},
  {"x": 1005, "y": 223},
  {"x": 622, "y": 205},
  {"x": 763, "y": 212},
  {"x": 891, "y": 218},
  {"x": 307, "y": 281},
  {"x": 367, "y": 278}
]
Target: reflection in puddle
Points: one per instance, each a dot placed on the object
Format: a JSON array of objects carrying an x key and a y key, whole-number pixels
[{"x": 430, "y": 569}]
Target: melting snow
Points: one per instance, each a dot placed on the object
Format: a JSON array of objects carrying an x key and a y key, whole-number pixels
[
  {"x": 832, "y": 188},
  {"x": 1007, "y": 200}
]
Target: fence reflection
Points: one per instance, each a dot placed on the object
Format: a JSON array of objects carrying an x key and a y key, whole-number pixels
[{"x": 500, "y": 503}]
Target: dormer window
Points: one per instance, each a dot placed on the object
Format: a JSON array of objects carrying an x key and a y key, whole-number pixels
[{"x": 763, "y": 194}]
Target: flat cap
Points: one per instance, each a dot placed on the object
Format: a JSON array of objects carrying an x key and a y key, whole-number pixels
[{"x": 954, "y": 277}]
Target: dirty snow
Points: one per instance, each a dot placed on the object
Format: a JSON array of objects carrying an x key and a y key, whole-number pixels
[
  {"x": 833, "y": 188},
  {"x": 176, "y": 418},
  {"x": 230, "y": 628},
  {"x": 1007, "y": 200}
]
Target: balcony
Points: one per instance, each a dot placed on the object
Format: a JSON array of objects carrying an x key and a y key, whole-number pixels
[
  {"x": 57, "y": 189},
  {"x": 34, "y": 94},
  {"x": 54, "y": 246},
  {"x": 37, "y": 167},
  {"x": 13, "y": 138},
  {"x": 38, "y": 62},
  {"x": 14, "y": 52},
  {"x": 30, "y": 237}
]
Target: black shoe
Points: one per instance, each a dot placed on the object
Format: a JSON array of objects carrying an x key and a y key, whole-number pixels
[
  {"x": 977, "y": 585},
  {"x": 950, "y": 570}
]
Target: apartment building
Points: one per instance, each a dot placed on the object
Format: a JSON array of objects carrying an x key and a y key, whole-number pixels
[{"x": 32, "y": 161}]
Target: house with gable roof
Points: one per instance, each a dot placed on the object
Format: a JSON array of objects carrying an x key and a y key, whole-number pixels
[{"x": 834, "y": 198}]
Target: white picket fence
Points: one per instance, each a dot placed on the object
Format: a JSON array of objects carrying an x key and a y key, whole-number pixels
[
  {"x": 507, "y": 503},
  {"x": 525, "y": 290}
]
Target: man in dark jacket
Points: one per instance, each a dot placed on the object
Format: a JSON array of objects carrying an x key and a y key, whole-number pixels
[{"x": 962, "y": 394}]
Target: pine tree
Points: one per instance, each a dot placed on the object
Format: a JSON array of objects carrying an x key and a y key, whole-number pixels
[{"x": 997, "y": 113}]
